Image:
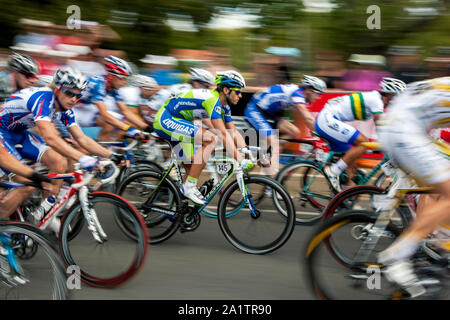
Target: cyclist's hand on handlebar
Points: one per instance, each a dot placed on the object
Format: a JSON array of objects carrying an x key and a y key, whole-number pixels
[
  {"x": 135, "y": 134},
  {"x": 246, "y": 164},
  {"x": 119, "y": 160},
  {"x": 44, "y": 181}
]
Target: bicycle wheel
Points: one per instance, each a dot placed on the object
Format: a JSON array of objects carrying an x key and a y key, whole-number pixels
[
  {"x": 256, "y": 229},
  {"x": 139, "y": 188},
  {"x": 115, "y": 260},
  {"x": 309, "y": 189},
  {"x": 365, "y": 197},
  {"x": 43, "y": 271},
  {"x": 329, "y": 278}
]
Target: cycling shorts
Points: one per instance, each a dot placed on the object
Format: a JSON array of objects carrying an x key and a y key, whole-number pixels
[
  {"x": 339, "y": 134},
  {"x": 258, "y": 121},
  {"x": 180, "y": 132},
  {"x": 33, "y": 146},
  {"x": 410, "y": 147}
]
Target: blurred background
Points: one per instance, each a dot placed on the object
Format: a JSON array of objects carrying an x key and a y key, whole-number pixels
[{"x": 268, "y": 41}]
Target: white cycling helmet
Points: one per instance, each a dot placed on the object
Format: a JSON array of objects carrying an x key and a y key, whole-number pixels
[
  {"x": 201, "y": 75},
  {"x": 315, "y": 83},
  {"x": 392, "y": 85},
  {"x": 230, "y": 79},
  {"x": 43, "y": 80},
  {"x": 23, "y": 63},
  {"x": 70, "y": 78},
  {"x": 142, "y": 81}
]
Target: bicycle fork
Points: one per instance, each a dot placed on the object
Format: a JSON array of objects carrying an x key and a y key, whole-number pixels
[
  {"x": 90, "y": 215},
  {"x": 255, "y": 213}
]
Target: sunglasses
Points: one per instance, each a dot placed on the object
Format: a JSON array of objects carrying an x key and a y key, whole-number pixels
[
  {"x": 71, "y": 94},
  {"x": 28, "y": 75},
  {"x": 237, "y": 90}
]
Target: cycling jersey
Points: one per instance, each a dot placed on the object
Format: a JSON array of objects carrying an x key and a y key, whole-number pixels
[
  {"x": 161, "y": 97},
  {"x": 278, "y": 98},
  {"x": 356, "y": 106},
  {"x": 330, "y": 122},
  {"x": 403, "y": 130},
  {"x": 20, "y": 112},
  {"x": 270, "y": 104},
  {"x": 174, "y": 121},
  {"x": 86, "y": 111}
]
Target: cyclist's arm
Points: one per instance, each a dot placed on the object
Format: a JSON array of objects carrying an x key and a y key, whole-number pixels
[
  {"x": 109, "y": 118},
  {"x": 376, "y": 117},
  {"x": 238, "y": 139},
  {"x": 306, "y": 116},
  {"x": 52, "y": 139},
  {"x": 10, "y": 163},
  {"x": 130, "y": 116},
  {"x": 207, "y": 122},
  {"x": 87, "y": 143},
  {"x": 227, "y": 140}
]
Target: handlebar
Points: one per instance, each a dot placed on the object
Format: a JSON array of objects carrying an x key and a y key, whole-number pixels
[{"x": 88, "y": 176}]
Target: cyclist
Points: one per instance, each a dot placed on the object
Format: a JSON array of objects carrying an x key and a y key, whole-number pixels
[
  {"x": 331, "y": 124},
  {"x": 273, "y": 101},
  {"x": 39, "y": 107},
  {"x": 199, "y": 79},
  {"x": 23, "y": 75},
  {"x": 403, "y": 133},
  {"x": 138, "y": 94},
  {"x": 101, "y": 104},
  {"x": 175, "y": 121}
]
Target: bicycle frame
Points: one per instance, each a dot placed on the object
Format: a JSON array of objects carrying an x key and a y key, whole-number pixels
[{"x": 78, "y": 190}]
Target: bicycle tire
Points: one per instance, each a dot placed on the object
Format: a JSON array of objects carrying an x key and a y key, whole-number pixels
[
  {"x": 302, "y": 197},
  {"x": 345, "y": 200},
  {"x": 327, "y": 284},
  {"x": 17, "y": 231},
  {"x": 246, "y": 221},
  {"x": 134, "y": 256},
  {"x": 155, "y": 221}
]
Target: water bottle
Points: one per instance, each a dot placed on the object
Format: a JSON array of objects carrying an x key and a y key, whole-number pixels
[{"x": 45, "y": 207}]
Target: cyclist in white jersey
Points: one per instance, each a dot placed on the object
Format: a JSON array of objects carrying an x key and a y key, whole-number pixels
[
  {"x": 403, "y": 132},
  {"x": 331, "y": 124},
  {"x": 39, "y": 107},
  {"x": 199, "y": 79}
]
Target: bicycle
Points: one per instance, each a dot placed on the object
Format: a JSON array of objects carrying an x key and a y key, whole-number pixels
[
  {"x": 44, "y": 277},
  {"x": 88, "y": 230},
  {"x": 350, "y": 242},
  {"x": 315, "y": 188},
  {"x": 158, "y": 197}
]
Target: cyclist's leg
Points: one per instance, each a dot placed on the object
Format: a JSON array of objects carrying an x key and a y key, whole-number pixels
[
  {"x": 266, "y": 135},
  {"x": 14, "y": 198},
  {"x": 341, "y": 136},
  {"x": 414, "y": 152}
]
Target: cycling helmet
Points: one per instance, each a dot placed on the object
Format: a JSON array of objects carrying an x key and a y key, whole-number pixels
[
  {"x": 315, "y": 83},
  {"x": 43, "y": 80},
  {"x": 230, "y": 79},
  {"x": 142, "y": 81},
  {"x": 391, "y": 85},
  {"x": 201, "y": 75},
  {"x": 70, "y": 78},
  {"x": 117, "y": 66},
  {"x": 23, "y": 63}
]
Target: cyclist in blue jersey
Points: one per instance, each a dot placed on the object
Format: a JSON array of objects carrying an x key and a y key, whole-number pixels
[
  {"x": 102, "y": 105},
  {"x": 39, "y": 107},
  {"x": 265, "y": 109}
]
